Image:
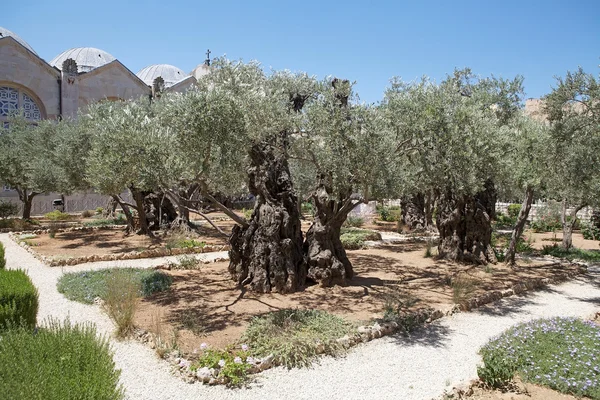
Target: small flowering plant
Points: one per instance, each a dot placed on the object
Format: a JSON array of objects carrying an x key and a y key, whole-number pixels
[
  {"x": 561, "y": 353},
  {"x": 232, "y": 363}
]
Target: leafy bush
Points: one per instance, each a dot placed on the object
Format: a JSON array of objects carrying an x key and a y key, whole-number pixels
[
  {"x": 591, "y": 232},
  {"x": 186, "y": 263},
  {"x": 561, "y": 353},
  {"x": 121, "y": 300},
  {"x": 548, "y": 218},
  {"x": 524, "y": 245},
  {"x": 294, "y": 337},
  {"x": 354, "y": 222},
  {"x": 2, "y": 257},
  {"x": 572, "y": 253},
  {"x": 233, "y": 364},
  {"x": 389, "y": 214},
  {"x": 57, "y": 215},
  {"x": 17, "y": 224},
  {"x": 504, "y": 222},
  {"x": 177, "y": 241},
  {"x": 247, "y": 213},
  {"x": 8, "y": 209},
  {"x": 120, "y": 220},
  {"x": 513, "y": 210},
  {"x": 18, "y": 299},
  {"x": 88, "y": 213},
  {"x": 59, "y": 361},
  {"x": 85, "y": 286},
  {"x": 99, "y": 210},
  {"x": 353, "y": 238}
]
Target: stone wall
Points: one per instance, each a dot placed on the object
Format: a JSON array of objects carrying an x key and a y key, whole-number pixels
[
  {"x": 111, "y": 81},
  {"x": 25, "y": 71},
  {"x": 584, "y": 215}
]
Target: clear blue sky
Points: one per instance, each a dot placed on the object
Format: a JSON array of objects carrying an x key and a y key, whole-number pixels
[{"x": 366, "y": 41}]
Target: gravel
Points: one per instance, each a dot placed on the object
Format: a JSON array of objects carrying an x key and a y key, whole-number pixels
[{"x": 422, "y": 366}]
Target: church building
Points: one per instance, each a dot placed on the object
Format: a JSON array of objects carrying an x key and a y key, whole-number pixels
[{"x": 75, "y": 78}]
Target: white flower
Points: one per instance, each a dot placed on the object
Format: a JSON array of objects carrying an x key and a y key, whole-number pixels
[
  {"x": 221, "y": 363},
  {"x": 250, "y": 360},
  {"x": 245, "y": 347},
  {"x": 237, "y": 360},
  {"x": 204, "y": 346}
]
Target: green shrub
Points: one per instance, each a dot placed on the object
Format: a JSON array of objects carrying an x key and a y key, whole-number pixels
[
  {"x": 59, "y": 361},
  {"x": 561, "y": 353},
  {"x": 296, "y": 337},
  {"x": 87, "y": 213},
  {"x": 353, "y": 238},
  {"x": 232, "y": 364},
  {"x": 18, "y": 224},
  {"x": 57, "y": 216},
  {"x": 18, "y": 299},
  {"x": 504, "y": 222},
  {"x": 513, "y": 210},
  {"x": 591, "y": 232},
  {"x": 571, "y": 254},
  {"x": 389, "y": 214},
  {"x": 8, "y": 209},
  {"x": 354, "y": 222},
  {"x": 177, "y": 241},
  {"x": 186, "y": 263},
  {"x": 85, "y": 286},
  {"x": 99, "y": 210},
  {"x": 120, "y": 220},
  {"x": 2, "y": 257},
  {"x": 247, "y": 213},
  {"x": 524, "y": 245}
]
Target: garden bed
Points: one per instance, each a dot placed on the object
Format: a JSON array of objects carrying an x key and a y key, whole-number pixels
[
  {"x": 204, "y": 305},
  {"x": 73, "y": 246}
]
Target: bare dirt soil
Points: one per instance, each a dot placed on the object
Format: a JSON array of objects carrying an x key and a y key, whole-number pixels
[
  {"x": 115, "y": 241},
  {"x": 527, "y": 392},
  {"x": 548, "y": 239},
  {"x": 205, "y": 305}
]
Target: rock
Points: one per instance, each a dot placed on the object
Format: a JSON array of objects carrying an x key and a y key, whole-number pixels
[
  {"x": 213, "y": 381},
  {"x": 204, "y": 375},
  {"x": 266, "y": 362},
  {"x": 364, "y": 329},
  {"x": 98, "y": 301},
  {"x": 344, "y": 341},
  {"x": 320, "y": 349}
]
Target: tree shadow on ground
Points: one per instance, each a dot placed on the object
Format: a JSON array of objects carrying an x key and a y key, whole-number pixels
[{"x": 433, "y": 335}]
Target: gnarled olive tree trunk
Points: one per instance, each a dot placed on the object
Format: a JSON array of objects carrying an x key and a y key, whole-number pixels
[
  {"x": 520, "y": 225},
  {"x": 464, "y": 224},
  {"x": 325, "y": 255},
  {"x": 127, "y": 211},
  {"x": 266, "y": 253},
  {"x": 413, "y": 212},
  {"x": 569, "y": 224},
  {"x": 26, "y": 198},
  {"x": 138, "y": 198}
]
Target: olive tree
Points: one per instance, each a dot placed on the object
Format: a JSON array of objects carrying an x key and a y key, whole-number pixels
[
  {"x": 27, "y": 159},
  {"x": 128, "y": 149},
  {"x": 449, "y": 135},
  {"x": 340, "y": 154},
  {"x": 527, "y": 169},
  {"x": 573, "y": 111}
]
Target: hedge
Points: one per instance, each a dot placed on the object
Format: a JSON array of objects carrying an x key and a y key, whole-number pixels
[{"x": 18, "y": 299}]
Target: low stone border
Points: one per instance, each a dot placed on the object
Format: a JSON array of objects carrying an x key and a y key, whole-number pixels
[
  {"x": 133, "y": 255},
  {"x": 365, "y": 333}
]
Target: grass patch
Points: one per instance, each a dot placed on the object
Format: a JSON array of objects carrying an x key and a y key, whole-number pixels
[
  {"x": 120, "y": 220},
  {"x": 57, "y": 216},
  {"x": 177, "y": 241},
  {"x": 233, "y": 364},
  {"x": 296, "y": 337},
  {"x": 354, "y": 222},
  {"x": 17, "y": 224},
  {"x": 571, "y": 254},
  {"x": 463, "y": 288},
  {"x": 353, "y": 238},
  {"x": 560, "y": 353},
  {"x": 186, "y": 263},
  {"x": 121, "y": 301},
  {"x": 59, "y": 361},
  {"x": 85, "y": 286}
]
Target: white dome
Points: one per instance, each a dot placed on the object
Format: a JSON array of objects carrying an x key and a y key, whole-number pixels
[
  {"x": 5, "y": 33},
  {"x": 87, "y": 58},
  {"x": 170, "y": 74}
]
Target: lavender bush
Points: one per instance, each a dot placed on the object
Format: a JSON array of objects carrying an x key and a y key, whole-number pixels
[{"x": 561, "y": 353}]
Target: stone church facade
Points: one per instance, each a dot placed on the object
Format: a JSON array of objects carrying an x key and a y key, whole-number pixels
[{"x": 70, "y": 81}]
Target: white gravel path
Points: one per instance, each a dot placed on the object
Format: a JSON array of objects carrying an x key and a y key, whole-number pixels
[{"x": 438, "y": 357}]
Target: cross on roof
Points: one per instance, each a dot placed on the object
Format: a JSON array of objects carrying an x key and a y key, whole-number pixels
[{"x": 207, "y": 61}]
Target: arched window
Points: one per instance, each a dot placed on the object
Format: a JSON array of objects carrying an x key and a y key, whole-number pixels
[{"x": 13, "y": 100}]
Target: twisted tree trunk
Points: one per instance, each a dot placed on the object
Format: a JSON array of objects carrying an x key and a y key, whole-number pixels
[
  {"x": 413, "y": 212},
  {"x": 138, "y": 198},
  {"x": 127, "y": 211},
  {"x": 26, "y": 198},
  {"x": 266, "y": 253},
  {"x": 464, "y": 224},
  {"x": 568, "y": 224},
  {"x": 520, "y": 225},
  {"x": 325, "y": 255}
]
